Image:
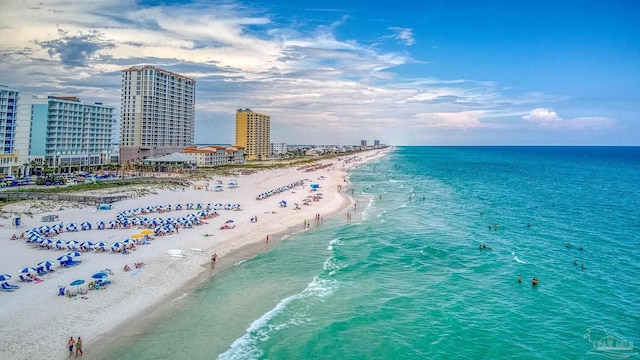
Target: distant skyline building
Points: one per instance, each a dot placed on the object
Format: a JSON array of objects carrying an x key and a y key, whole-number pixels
[
  {"x": 363, "y": 142},
  {"x": 63, "y": 132},
  {"x": 157, "y": 115},
  {"x": 278, "y": 148},
  {"x": 376, "y": 142},
  {"x": 8, "y": 121},
  {"x": 253, "y": 133}
]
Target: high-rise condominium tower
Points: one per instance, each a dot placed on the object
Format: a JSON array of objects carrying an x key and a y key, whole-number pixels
[
  {"x": 8, "y": 122},
  {"x": 157, "y": 113},
  {"x": 253, "y": 133}
]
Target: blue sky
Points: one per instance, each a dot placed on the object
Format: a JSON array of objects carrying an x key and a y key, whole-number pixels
[{"x": 336, "y": 72}]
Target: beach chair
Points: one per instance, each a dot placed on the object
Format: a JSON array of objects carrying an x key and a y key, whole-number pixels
[
  {"x": 25, "y": 279},
  {"x": 41, "y": 270},
  {"x": 50, "y": 269},
  {"x": 61, "y": 290},
  {"x": 7, "y": 288},
  {"x": 6, "y": 284},
  {"x": 70, "y": 263}
]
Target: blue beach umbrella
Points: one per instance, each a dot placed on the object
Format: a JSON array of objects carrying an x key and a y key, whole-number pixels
[
  {"x": 75, "y": 253},
  {"x": 45, "y": 263},
  {"x": 99, "y": 275},
  {"x": 65, "y": 258},
  {"x": 77, "y": 283},
  {"x": 5, "y": 277},
  {"x": 27, "y": 270}
]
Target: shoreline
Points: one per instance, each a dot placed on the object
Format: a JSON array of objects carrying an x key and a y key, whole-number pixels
[
  {"x": 125, "y": 334},
  {"x": 104, "y": 317}
]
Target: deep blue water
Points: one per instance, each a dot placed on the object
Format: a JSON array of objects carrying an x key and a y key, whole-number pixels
[{"x": 406, "y": 279}]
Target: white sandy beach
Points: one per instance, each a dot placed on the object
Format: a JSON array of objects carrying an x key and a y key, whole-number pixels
[{"x": 37, "y": 322}]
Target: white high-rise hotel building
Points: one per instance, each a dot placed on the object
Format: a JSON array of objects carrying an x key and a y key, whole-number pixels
[
  {"x": 157, "y": 113},
  {"x": 63, "y": 132}
]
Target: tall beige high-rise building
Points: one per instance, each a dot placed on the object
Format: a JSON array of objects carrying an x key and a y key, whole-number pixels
[
  {"x": 253, "y": 132},
  {"x": 157, "y": 113}
]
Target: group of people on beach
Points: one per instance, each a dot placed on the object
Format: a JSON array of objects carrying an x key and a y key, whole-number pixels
[{"x": 75, "y": 343}]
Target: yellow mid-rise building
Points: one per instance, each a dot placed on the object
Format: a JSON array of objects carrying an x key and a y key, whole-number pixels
[{"x": 253, "y": 132}]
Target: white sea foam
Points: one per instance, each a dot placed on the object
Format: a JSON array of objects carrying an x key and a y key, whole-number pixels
[
  {"x": 335, "y": 241},
  {"x": 515, "y": 257},
  {"x": 333, "y": 265},
  {"x": 246, "y": 347}
]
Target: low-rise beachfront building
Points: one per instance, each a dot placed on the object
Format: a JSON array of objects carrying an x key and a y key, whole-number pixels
[
  {"x": 171, "y": 162},
  {"x": 9, "y": 158},
  {"x": 317, "y": 151},
  {"x": 63, "y": 133},
  {"x": 278, "y": 149},
  {"x": 216, "y": 155}
]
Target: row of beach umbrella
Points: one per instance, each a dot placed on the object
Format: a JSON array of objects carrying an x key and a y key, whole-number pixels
[
  {"x": 278, "y": 190},
  {"x": 122, "y": 218}
]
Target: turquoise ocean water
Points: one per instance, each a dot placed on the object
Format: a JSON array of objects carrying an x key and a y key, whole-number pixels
[{"x": 406, "y": 278}]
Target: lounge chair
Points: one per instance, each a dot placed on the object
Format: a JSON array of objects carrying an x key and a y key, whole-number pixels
[
  {"x": 50, "y": 269},
  {"x": 41, "y": 270},
  {"x": 61, "y": 290},
  {"x": 10, "y": 285},
  {"x": 101, "y": 283},
  {"x": 70, "y": 263},
  {"x": 25, "y": 279},
  {"x": 7, "y": 288}
]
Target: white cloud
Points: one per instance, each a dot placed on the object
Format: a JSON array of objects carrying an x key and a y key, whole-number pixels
[
  {"x": 403, "y": 35},
  {"x": 550, "y": 120},
  {"x": 316, "y": 86},
  {"x": 453, "y": 120}
]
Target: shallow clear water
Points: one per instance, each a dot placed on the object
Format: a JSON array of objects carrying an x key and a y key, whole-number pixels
[{"x": 406, "y": 278}]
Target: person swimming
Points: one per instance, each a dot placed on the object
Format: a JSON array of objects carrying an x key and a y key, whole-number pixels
[
  {"x": 519, "y": 278},
  {"x": 534, "y": 282}
]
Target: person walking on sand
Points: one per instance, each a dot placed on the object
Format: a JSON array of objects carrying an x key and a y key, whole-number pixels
[
  {"x": 70, "y": 344},
  {"x": 79, "y": 346}
]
